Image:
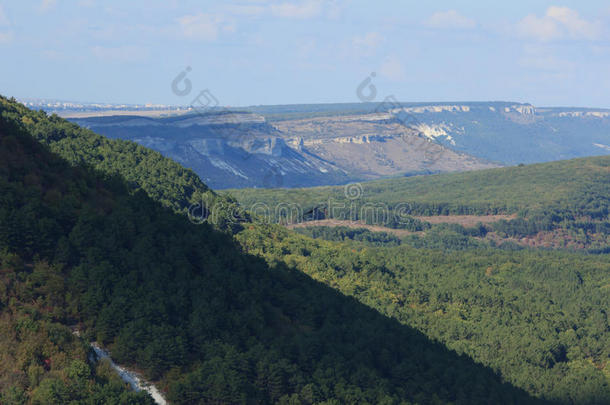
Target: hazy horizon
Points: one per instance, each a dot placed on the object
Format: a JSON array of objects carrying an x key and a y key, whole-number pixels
[{"x": 404, "y": 102}]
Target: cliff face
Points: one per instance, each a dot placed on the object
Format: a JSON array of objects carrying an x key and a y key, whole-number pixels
[
  {"x": 512, "y": 133},
  {"x": 321, "y": 145},
  {"x": 239, "y": 149},
  {"x": 372, "y": 145}
]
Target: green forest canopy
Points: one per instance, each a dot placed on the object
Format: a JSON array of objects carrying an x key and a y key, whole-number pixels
[
  {"x": 502, "y": 190},
  {"x": 210, "y": 323},
  {"x": 538, "y": 318},
  {"x": 184, "y": 304},
  {"x": 143, "y": 169}
]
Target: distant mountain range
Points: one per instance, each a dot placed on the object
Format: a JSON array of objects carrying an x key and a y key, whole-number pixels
[
  {"x": 325, "y": 144},
  {"x": 512, "y": 133}
]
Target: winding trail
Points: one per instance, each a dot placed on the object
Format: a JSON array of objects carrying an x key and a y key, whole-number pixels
[{"x": 136, "y": 382}]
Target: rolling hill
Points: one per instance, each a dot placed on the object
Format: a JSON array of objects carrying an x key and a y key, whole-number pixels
[
  {"x": 562, "y": 204},
  {"x": 502, "y": 190},
  {"x": 186, "y": 305},
  {"x": 211, "y": 317}
]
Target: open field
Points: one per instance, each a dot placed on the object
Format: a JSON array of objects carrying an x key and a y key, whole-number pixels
[
  {"x": 350, "y": 224},
  {"x": 464, "y": 220}
]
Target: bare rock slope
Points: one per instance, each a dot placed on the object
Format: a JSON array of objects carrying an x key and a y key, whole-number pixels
[{"x": 232, "y": 149}]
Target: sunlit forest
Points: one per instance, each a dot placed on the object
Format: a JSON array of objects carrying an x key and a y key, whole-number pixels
[{"x": 95, "y": 236}]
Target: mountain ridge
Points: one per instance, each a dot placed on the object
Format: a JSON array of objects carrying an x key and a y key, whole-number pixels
[
  {"x": 328, "y": 144},
  {"x": 304, "y": 155}
]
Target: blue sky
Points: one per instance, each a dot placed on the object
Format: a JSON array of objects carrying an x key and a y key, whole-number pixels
[{"x": 307, "y": 51}]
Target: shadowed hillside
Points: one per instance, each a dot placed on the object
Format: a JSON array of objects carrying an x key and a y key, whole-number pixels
[{"x": 183, "y": 304}]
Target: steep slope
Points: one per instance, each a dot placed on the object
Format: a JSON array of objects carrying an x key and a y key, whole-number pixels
[
  {"x": 144, "y": 169},
  {"x": 503, "y": 132},
  {"x": 538, "y": 318},
  {"x": 184, "y": 304},
  {"x": 41, "y": 361},
  {"x": 370, "y": 146},
  {"x": 243, "y": 149},
  {"x": 226, "y": 149},
  {"x": 513, "y": 133}
]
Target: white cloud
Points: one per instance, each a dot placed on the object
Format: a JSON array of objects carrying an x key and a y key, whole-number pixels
[
  {"x": 559, "y": 23},
  {"x": 576, "y": 26},
  {"x": 305, "y": 9},
  {"x": 120, "y": 54},
  {"x": 450, "y": 19},
  {"x": 204, "y": 27},
  {"x": 393, "y": 69},
  {"x": 542, "y": 29}
]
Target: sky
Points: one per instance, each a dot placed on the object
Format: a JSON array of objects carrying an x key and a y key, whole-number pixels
[{"x": 254, "y": 52}]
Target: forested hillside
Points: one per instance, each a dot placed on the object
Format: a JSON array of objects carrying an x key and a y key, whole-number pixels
[
  {"x": 502, "y": 190},
  {"x": 161, "y": 178},
  {"x": 566, "y": 202},
  {"x": 211, "y": 323},
  {"x": 186, "y": 306},
  {"x": 538, "y": 318},
  {"x": 41, "y": 361}
]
